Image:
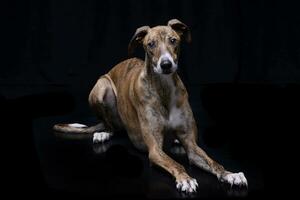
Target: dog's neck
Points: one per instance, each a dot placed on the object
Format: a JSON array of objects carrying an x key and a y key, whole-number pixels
[{"x": 164, "y": 85}]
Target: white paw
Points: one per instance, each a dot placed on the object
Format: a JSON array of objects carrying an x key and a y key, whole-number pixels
[
  {"x": 176, "y": 141},
  {"x": 101, "y": 136},
  {"x": 76, "y": 125},
  {"x": 187, "y": 185},
  {"x": 238, "y": 179}
]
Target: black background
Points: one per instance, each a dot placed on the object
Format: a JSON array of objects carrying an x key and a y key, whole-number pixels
[{"x": 242, "y": 71}]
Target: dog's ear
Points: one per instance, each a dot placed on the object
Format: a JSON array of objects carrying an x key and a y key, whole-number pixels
[
  {"x": 137, "y": 38},
  {"x": 181, "y": 29}
]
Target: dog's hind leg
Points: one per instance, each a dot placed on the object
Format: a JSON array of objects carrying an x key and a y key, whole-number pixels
[{"x": 102, "y": 100}]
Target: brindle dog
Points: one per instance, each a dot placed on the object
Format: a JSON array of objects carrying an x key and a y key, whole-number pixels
[{"x": 148, "y": 99}]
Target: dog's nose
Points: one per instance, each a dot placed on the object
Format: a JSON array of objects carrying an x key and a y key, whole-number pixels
[{"x": 166, "y": 64}]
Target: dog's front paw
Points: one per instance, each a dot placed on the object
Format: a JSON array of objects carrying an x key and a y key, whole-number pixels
[
  {"x": 238, "y": 179},
  {"x": 188, "y": 185}
]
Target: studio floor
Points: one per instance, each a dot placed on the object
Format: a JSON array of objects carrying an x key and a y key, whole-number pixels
[{"x": 76, "y": 166}]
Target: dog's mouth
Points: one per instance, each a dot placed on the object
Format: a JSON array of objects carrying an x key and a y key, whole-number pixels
[{"x": 167, "y": 71}]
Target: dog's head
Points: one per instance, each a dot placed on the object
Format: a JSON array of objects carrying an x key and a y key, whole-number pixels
[{"x": 161, "y": 44}]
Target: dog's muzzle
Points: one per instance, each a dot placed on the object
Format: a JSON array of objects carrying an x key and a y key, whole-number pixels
[{"x": 165, "y": 64}]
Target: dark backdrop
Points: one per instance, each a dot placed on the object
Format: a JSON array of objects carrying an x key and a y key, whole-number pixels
[
  {"x": 242, "y": 69},
  {"x": 72, "y": 42}
]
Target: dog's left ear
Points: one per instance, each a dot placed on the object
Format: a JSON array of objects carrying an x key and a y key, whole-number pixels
[
  {"x": 137, "y": 38},
  {"x": 181, "y": 29}
]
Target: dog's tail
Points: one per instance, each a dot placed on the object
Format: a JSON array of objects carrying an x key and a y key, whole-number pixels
[{"x": 76, "y": 128}]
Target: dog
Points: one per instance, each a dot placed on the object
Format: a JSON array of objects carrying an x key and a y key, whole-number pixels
[{"x": 148, "y": 99}]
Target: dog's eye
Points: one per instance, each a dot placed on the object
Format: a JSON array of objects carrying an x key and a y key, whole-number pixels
[
  {"x": 151, "y": 44},
  {"x": 173, "y": 40}
]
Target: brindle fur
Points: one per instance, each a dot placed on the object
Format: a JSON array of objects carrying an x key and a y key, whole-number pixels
[{"x": 132, "y": 96}]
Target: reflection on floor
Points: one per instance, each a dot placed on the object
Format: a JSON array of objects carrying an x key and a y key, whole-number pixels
[{"x": 116, "y": 168}]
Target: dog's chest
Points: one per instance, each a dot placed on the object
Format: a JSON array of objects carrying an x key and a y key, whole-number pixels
[
  {"x": 175, "y": 118},
  {"x": 175, "y": 115}
]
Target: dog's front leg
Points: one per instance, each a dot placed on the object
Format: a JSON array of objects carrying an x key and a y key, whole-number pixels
[
  {"x": 196, "y": 156},
  {"x": 183, "y": 181},
  {"x": 199, "y": 158},
  {"x": 151, "y": 129}
]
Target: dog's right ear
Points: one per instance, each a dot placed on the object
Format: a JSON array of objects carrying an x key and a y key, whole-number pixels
[{"x": 137, "y": 38}]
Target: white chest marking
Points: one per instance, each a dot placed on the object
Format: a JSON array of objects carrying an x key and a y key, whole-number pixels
[{"x": 176, "y": 117}]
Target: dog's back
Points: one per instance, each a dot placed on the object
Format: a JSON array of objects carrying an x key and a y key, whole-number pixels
[{"x": 124, "y": 71}]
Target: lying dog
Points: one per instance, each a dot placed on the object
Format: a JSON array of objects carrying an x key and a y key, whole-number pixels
[{"x": 148, "y": 99}]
